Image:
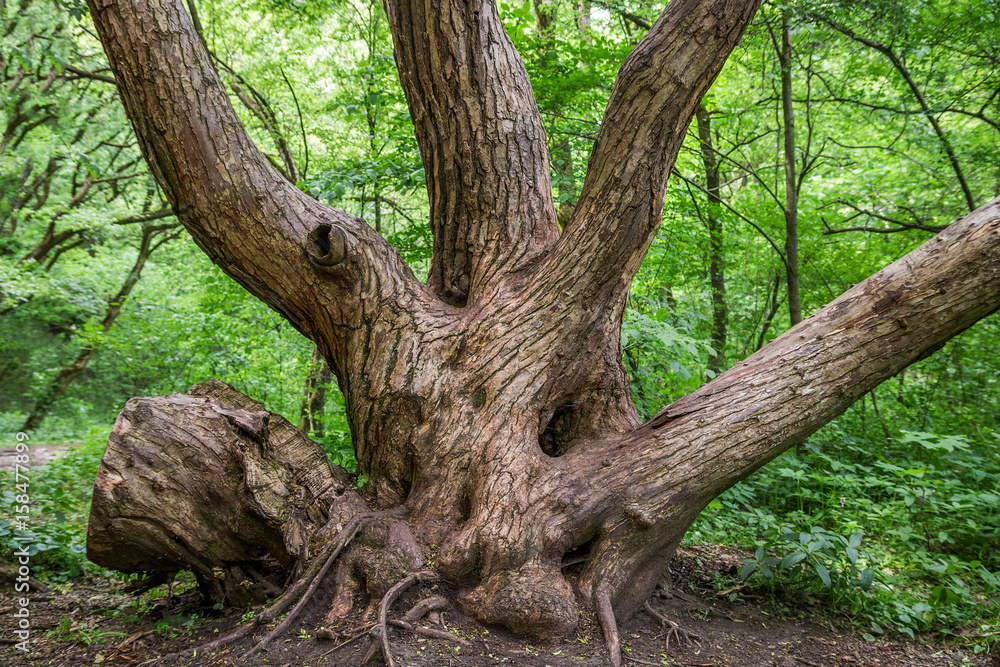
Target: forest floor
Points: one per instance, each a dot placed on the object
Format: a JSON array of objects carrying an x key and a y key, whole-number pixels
[{"x": 98, "y": 622}]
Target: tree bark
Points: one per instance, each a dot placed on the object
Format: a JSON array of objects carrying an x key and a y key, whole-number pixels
[{"x": 503, "y": 430}]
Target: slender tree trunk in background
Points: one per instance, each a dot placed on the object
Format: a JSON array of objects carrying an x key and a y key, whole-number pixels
[
  {"x": 791, "y": 185},
  {"x": 716, "y": 253},
  {"x": 371, "y": 110},
  {"x": 490, "y": 407},
  {"x": 770, "y": 311},
  {"x": 562, "y": 156},
  {"x": 313, "y": 408},
  {"x": 582, "y": 8},
  {"x": 57, "y": 387}
]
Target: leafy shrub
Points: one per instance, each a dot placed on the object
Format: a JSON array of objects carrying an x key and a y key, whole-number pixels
[{"x": 60, "y": 492}]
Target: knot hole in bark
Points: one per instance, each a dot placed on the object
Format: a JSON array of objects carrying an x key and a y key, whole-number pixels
[
  {"x": 326, "y": 246},
  {"x": 556, "y": 435}
]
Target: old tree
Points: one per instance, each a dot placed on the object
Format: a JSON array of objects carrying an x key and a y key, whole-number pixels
[{"x": 489, "y": 406}]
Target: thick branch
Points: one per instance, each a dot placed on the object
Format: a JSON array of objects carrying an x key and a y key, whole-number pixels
[
  {"x": 708, "y": 440},
  {"x": 237, "y": 206},
  {"x": 481, "y": 138}
]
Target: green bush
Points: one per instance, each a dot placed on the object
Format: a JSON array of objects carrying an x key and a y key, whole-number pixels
[{"x": 60, "y": 493}]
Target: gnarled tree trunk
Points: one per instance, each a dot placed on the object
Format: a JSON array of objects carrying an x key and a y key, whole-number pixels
[{"x": 491, "y": 405}]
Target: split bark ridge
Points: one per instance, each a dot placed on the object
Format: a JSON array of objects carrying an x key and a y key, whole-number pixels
[{"x": 491, "y": 404}]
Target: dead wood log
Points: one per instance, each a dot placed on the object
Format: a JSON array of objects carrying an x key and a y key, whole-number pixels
[{"x": 212, "y": 483}]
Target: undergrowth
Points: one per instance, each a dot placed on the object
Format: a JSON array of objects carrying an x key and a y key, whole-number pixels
[
  {"x": 902, "y": 538},
  {"x": 59, "y": 495}
]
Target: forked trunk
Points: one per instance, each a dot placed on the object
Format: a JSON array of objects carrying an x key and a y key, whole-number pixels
[{"x": 490, "y": 407}]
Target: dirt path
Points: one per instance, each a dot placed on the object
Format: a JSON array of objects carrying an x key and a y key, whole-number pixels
[{"x": 40, "y": 454}]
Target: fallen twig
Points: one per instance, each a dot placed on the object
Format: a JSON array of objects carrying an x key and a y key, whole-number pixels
[
  {"x": 808, "y": 662},
  {"x": 675, "y": 630},
  {"x": 722, "y": 594},
  {"x": 353, "y": 638}
]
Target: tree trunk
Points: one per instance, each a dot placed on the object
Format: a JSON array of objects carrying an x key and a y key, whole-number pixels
[
  {"x": 716, "y": 254},
  {"x": 491, "y": 406},
  {"x": 791, "y": 184},
  {"x": 313, "y": 407}
]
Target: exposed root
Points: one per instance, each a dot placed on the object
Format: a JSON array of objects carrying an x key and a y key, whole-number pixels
[
  {"x": 341, "y": 541},
  {"x": 606, "y": 616},
  {"x": 427, "y": 606},
  {"x": 301, "y": 590},
  {"x": 390, "y": 597},
  {"x": 433, "y": 633},
  {"x": 674, "y": 630},
  {"x": 388, "y": 553},
  {"x": 424, "y": 607}
]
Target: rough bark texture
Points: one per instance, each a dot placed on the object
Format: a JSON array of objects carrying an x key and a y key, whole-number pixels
[
  {"x": 503, "y": 429},
  {"x": 483, "y": 143}
]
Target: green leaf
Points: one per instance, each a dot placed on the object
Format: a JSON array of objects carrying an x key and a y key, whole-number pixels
[
  {"x": 852, "y": 555},
  {"x": 792, "y": 559},
  {"x": 855, "y": 540},
  {"x": 824, "y": 574},
  {"x": 867, "y": 578},
  {"x": 747, "y": 570}
]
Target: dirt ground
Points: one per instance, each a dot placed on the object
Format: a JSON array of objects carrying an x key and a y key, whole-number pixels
[
  {"x": 92, "y": 624},
  {"x": 40, "y": 454}
]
